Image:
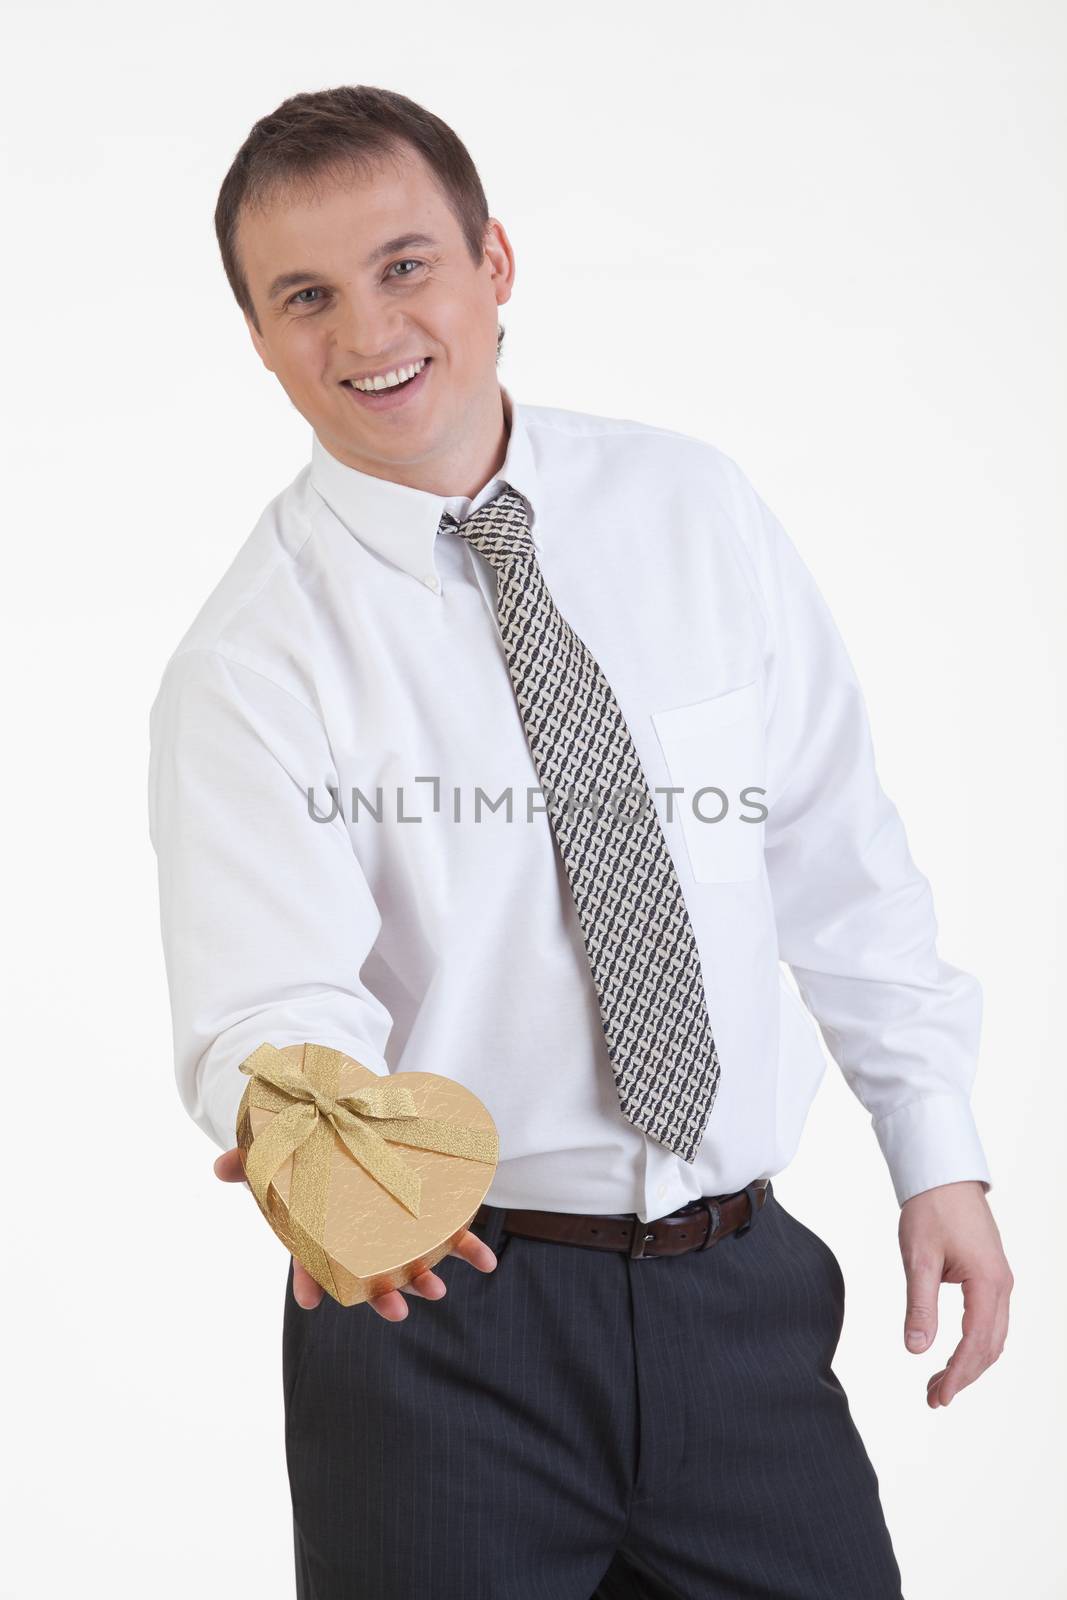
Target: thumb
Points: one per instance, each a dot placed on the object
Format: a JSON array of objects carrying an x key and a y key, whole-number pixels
[
  {"x": 230, "y": 1167},
  {"x": 920, "y": 1321}
]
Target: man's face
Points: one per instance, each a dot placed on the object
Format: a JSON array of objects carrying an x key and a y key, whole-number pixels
[{"x": 334, "y": 304}]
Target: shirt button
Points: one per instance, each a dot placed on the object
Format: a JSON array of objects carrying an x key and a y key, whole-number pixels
[
  {"x": 431, "y": 582},
  {"x": 661, "y": 1191}
]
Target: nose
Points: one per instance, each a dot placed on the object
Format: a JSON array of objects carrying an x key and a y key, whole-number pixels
[{"x": 366, "y": 330}]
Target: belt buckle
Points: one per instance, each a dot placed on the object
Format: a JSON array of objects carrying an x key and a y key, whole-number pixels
[{"x": 714, "y": 1218}]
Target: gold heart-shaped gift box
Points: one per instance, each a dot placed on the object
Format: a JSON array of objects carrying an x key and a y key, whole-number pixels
[{"x": 366, "y": 1179}]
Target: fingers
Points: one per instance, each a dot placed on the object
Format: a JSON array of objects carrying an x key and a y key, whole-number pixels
[
  {"x": 920, "y": 1319},
  {"x": 474, "y": 1250},
  {"x": 428, "y": 1285},
  {"x": 985, "y": 1328},
  {"x": 306, "y": 1292},
  {"x": 230, "y": 1167}
]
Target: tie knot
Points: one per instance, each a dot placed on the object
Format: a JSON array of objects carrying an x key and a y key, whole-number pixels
[{"x": 500, "y": 528}]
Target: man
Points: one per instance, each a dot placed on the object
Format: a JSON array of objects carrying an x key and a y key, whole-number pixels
[{"x": 459, "y": 599}]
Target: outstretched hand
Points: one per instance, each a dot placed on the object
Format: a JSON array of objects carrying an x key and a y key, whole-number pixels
[
  {"x": 307, "y": 1293},
  {"x": 948, "y": 1235}
]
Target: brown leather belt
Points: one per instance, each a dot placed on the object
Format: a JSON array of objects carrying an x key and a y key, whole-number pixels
[{"x": 694, "y": 1226}]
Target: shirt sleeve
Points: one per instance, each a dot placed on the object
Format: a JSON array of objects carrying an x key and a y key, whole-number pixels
[
  {"x": 265, "y": 913},
  {"x": 855, "y": 917}
]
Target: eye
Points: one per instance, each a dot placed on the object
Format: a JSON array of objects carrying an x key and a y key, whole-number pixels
[
  {"x": 296, "y": 300},
  {"x": 407, "y": 262}
]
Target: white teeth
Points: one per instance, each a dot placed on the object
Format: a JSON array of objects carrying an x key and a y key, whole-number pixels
[{"x": 390, "y": 381}]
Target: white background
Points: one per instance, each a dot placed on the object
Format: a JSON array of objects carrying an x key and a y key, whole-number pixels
[{"x": 825, "y": 237}]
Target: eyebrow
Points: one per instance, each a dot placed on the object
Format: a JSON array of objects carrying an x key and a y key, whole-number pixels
[{"x": 403, "y": 241}]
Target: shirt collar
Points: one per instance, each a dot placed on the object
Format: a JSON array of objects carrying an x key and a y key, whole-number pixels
[{"x": 400, "y": 523}]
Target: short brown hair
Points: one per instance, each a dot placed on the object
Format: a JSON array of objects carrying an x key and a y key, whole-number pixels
[{"x": 334, "y": 134}]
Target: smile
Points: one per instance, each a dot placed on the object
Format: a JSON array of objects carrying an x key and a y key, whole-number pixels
[{"x": 393, "y": 390}]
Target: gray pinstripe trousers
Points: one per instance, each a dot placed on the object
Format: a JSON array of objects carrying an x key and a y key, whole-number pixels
[{"x": 576, "y": 1425}]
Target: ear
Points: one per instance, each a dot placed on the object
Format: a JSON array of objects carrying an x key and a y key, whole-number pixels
[
  {"x": 501, "y": 259},
  {"x": 257, "y": 340}
]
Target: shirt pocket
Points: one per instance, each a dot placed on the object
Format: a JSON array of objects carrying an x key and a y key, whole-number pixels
[{"x": 714, "y": 751}]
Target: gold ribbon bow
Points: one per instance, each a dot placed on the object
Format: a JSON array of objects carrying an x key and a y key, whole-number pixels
[{"x": 309, "y": 1113}]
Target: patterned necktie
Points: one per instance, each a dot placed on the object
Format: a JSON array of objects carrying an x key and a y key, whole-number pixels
[{"x": 638, "y": 937}]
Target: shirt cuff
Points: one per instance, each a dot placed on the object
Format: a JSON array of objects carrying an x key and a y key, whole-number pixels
[{"x": 931, "y": 1141}]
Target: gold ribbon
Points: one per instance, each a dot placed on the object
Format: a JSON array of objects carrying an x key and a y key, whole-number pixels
[{"x": 308, "y": 1114}]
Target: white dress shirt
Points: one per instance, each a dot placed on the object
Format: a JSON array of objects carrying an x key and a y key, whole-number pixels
[{"x": 349, "y": 646}]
